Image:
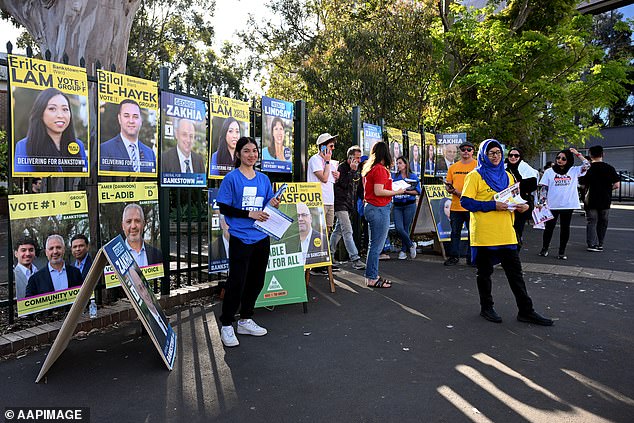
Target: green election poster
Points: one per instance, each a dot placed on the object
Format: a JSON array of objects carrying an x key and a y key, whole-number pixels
[{"x": 284, "y": 282}]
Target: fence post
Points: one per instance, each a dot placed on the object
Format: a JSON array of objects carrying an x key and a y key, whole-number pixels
[
  {"x": 356, "y": 126},
  {"x": 164, "y": 207},
  {"x": 9, "y": 158},
  {"x": 300, "y": 150}
]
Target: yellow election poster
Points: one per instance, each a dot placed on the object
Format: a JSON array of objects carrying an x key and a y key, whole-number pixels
[
  {"x": 229, "y": 122},
  {"x": 49, "y": 118},
  {"x": 46, "y": 223},
  {"x": 395, "y": 140},
  {"x": 128, "y": 125},
  {"x": 415, "y": 149},
  {"x": 440, "y": 203},
  {"x": 430, "y": 154},
  {"x": 130, "y": 209},
  {"x": 313, "y": 235}
]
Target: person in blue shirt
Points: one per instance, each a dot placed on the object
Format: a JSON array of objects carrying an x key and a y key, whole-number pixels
[
  {"x": 50, "y": 145},
  {"x": 405, "y": 207},
  {"x": 242, "y": 196}
]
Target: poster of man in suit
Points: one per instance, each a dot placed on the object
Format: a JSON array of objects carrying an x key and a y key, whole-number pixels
[
  {"x": 183, "y": 141},
  {"x": 130, "y": 209},
  {"x": 218, "y": 236},
  {"x": 46, "y": 277},
  {"x": 128, "y": 125},
  {"x": 313, "y": 236}
]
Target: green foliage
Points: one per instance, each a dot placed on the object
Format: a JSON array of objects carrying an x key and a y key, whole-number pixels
[
  {"x": 338, "y": 54},
  {"x": 179, "y": 34},
  {"x": 529, "y": 75}
]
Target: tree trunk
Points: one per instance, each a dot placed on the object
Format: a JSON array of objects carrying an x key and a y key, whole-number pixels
[{"x": 92, "y": 29}]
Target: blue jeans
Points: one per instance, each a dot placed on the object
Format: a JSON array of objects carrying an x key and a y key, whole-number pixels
[
  {"x": 403, "y": 218},
  {"x": 343, "y": 228},
  {"x": 458, "y": 219},
  {"x": 378, "y": 224}
]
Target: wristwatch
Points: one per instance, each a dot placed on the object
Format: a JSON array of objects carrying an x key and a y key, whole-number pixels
[{"x": 327, "y": 161}]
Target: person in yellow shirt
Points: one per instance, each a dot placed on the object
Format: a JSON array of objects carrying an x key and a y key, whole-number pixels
[
  {"x": 493, "y": 238},
  {"x": 458, "y": 216}
]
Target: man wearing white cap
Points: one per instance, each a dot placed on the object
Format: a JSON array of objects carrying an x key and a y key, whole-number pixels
[{"x": 322, "y": 169}]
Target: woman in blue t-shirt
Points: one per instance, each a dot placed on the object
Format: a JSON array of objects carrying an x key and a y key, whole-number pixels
[
  {"x": 242, "y": 196},
  {"x": 405, "y": 207}
]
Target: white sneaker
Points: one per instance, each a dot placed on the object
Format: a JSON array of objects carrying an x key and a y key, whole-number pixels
[
  {"x": 228, "y": 336},
  {"x": 249, "y": 327},
  {"x": 402, "y": 255},
  {"x": 412, "y": 251}
]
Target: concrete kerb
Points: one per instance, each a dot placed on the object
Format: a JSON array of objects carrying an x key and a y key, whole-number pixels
[{"x": 119, "y": 312}]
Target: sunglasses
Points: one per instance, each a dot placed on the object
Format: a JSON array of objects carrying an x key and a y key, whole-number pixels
[
  {"x": 466, "y": 149},
  {"x": 517, "y": 156},
  {"x": 494, "y": 153},
  {"x": 562, "y": 158}
]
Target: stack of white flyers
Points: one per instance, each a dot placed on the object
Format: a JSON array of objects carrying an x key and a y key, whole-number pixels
[
  {"x": 277, "y": 223},
  {"x": 510, "y": 196},
  {"x": 542, "y": 214}
]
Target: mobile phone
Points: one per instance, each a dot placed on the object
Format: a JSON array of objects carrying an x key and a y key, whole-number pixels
[{"x": 324, "y": 149}]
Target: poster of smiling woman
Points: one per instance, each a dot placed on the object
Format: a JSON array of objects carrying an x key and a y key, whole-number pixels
[
  {"x": 229, "y": 122},
  {"x": 49, "y": 114},
  {"x": 277, "y": 135}
]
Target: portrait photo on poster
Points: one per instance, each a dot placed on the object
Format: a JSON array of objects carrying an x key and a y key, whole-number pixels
[
  {"x": 218, "y": 236},
  {"x": 128, "y": 125},
  {"x": 49, "y": 118},
  {"x": 183, "y": 141},
  {"x": 130, "y": 209},
  {"x": 46, "y": 268},
  {"x": 229, "y": 122},
  {"x": 277, "y": 135},
  {"x": 51, "y": 133}
]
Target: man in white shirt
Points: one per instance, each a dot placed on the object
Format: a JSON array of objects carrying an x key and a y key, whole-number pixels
[
  {"x": 24, "y": 253},
  {"x": 322, "y": 169}
]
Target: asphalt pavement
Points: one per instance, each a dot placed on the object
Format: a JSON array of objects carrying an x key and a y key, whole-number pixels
[{"x": 417, "y": 352}]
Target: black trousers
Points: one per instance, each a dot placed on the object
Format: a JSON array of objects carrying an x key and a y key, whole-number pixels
[
  {"x": 564, "y": 229},
  {"x": 510, "y": 260},
  {"x": 520, "y": 222},
  {"x": 247, "y": 267}
]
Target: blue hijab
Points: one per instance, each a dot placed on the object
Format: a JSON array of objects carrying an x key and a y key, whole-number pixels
[{"x": 495, "y": 176}]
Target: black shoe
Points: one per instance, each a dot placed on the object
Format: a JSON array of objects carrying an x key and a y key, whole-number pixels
[
  {"x": 490, "y": 315},
  {"x": 600, "y": 247},
  {"x": 593, "y": 248},
  {"x": 562, "y": 257},
  {"x": 535, "y": 318},
  {"x": 451, "y": 261},
  {"x": 544, "y": 252},
  {"x": 335, "y": 268},
  {"x": 318, "y": 271}
]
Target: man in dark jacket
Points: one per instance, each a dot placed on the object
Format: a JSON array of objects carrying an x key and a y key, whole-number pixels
[
  {"x": 345, "y": 204},
  {"x": 599, "y": 181}
]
